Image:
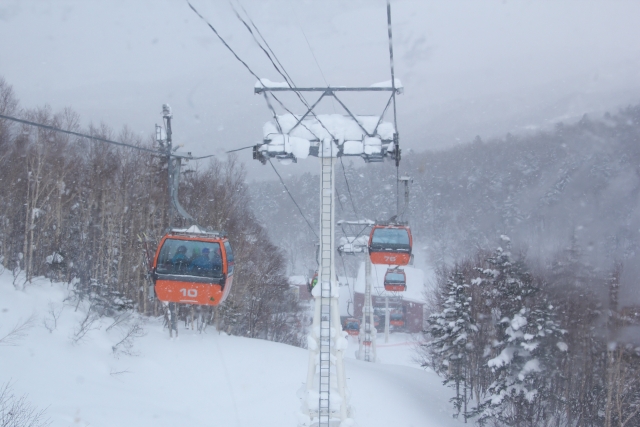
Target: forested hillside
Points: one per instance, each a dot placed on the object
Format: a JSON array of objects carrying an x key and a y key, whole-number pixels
[
  {"x": 575, "y": 185},
  {"x": 75, "y": 210}
]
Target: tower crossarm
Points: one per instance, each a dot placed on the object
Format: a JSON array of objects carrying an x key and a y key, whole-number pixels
[{"x": 259, "y": 88}]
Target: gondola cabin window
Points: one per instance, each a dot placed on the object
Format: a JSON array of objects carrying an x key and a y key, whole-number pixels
[
  {"x": 390, "y": 238},
  {"x": 395, "y": 278},
  {"x": 190, "y": 258}
]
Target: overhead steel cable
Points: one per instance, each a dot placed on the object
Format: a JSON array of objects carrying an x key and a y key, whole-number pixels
[
  {"x": 311, "y": 50},
  {"x": 281, "y": 70},
  {"x": 108, "y": 141},
  {"x": 82, "y": 135},
  {"x": 239, "y": 149},
  {"x": 339, "y": 201},
  {"x": 353, "y": 205},
  {"x": 222, "y": 40},
  {"x": 235, "y": 55},
  {"x": 275, "y": 57},
  {"x": 289, "y": 111},
  {"x": 293, "y": 200},
  {"x": 312, "y": 54},
  {"x": 264, "y": 40},
  {"x": 268, "y": 103}
]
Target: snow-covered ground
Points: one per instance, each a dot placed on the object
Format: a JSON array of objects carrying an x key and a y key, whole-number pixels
[{"x": 195, "y": 380}]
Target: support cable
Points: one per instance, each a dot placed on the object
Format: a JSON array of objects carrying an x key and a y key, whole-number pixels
[
  {"x": 293, "y": 200},
  {"x": 288, "y": 77},
  {"x": 281, "y": 70},
  {"x": 273, "y": 111},
  {"x": 353, "y": 205},
  {"x": 339, "y": 201},
  {"x": 82, "y": 135},
  {"x": 312, "y": 53},
  {"x": 223, "y": 41},
  {"x": 240, "y": 149},
  {"x": 293, "y": 115},
  {"x": 346, "y": 276},
  {"x": 108, "y": 141}
]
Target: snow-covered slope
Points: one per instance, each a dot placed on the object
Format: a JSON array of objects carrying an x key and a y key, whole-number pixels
[{"x": 195, "y": 380}]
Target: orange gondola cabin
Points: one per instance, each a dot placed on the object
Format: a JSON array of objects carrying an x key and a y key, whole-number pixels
[
  {"x": 396, "y": 318},
  {"x": 390, "y": 244},
  {"x": 192, "y": 266},
  {"x": 395, "y": 280},
  {"x": 352, "y": 326}
]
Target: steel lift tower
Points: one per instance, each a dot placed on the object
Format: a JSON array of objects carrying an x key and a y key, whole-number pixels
[
  {"x": 290, "y": 138},
  {"x": 368, "y": 332}
]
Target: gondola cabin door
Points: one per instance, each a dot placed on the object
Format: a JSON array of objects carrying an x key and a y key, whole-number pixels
[
  {"x": 390, "y": 244},
  {"x": 193, "y": 268}
]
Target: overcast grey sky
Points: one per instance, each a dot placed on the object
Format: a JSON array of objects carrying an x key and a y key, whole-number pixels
[{"x": 469, "y": 67}]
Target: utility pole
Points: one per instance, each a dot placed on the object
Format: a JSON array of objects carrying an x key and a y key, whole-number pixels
[
  {"x": 174, "y": 164},
  {"x": 167, "y": 116}
]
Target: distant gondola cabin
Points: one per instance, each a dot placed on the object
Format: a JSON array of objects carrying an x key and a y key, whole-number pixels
[
  {"x": 193, "y": 268},
  {"x": 390, "y": 244},
  {"x": 395, "y": 280},
  {"x": 352, "y": 326},
  {"x": 396, "y": 318}
]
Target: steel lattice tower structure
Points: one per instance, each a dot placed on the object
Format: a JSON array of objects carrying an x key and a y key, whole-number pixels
[{"x": 325, "y": 397}]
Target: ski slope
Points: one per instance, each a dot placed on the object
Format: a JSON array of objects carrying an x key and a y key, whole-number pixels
[{"x": 195, "y": 380}]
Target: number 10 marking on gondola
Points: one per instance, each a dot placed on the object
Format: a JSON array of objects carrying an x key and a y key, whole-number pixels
[{"x": 189, "y": 292}]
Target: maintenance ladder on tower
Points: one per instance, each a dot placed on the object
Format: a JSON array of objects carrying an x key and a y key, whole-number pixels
[{"x": 326, "y": 255}]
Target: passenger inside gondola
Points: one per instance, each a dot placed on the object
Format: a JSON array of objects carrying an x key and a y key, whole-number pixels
[
  {"x": 190, "y": 258},
  {"x": 180, "y": 260},
  {"x": 390, "y": 238}
]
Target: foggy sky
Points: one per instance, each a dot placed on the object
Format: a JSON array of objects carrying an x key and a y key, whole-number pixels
[{"x": 469, "y": 67}]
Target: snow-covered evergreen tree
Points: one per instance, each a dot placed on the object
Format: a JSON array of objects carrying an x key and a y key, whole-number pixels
[
  {"x": 527, "y": 340},
  {"x": 450, "y": 330}
]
